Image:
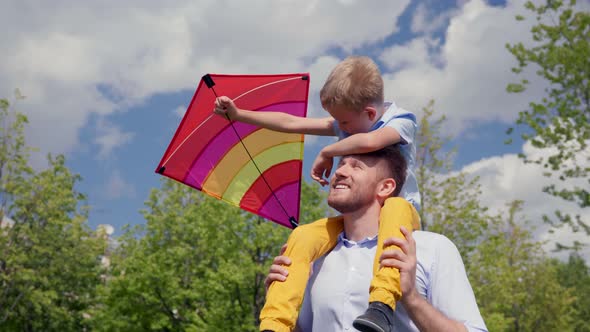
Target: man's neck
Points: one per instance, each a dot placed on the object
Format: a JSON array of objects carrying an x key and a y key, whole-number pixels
[{"x": 362, "y": 223}]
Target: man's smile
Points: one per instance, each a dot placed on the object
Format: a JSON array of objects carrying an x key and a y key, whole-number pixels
[{"x": 340, "y": 186}]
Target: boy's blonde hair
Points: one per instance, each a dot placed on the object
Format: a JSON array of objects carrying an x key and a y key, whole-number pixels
[{"x": 354, "y": 83}]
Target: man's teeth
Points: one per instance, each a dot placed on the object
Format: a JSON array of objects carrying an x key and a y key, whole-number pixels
[{"x": 341, "y": 186}]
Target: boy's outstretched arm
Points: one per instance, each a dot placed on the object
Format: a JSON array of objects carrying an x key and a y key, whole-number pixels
[
  {"x": 277, "y": 121},
  {"x": 353, "y": 144}
]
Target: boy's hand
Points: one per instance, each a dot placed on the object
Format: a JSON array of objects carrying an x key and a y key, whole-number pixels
[
  {"x": 322, "y": 166},
  {"x": 225, "y": 106}
]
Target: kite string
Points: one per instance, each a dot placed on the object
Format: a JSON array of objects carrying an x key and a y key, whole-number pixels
[{"x": 253, "y": 162}]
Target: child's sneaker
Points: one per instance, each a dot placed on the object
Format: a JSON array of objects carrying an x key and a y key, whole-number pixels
[{"x": 377, "y": 318}]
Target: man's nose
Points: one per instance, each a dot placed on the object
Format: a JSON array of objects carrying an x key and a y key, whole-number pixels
[{"x": 341, "y": 172}]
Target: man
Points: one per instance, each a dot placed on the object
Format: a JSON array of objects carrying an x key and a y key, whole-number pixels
[{"x": 436, "y": 294}]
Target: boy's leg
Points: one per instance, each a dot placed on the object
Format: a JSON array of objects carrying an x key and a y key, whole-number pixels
[
  {"x": 385, "y": 288},
  {"x": 305, "y": 244},
  {"x": 396, "y": 212}
]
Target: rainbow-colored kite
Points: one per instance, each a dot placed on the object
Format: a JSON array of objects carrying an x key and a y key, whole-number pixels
[{"x": 256, "y": 169}]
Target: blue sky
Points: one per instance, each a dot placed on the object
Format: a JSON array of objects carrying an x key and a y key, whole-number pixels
[{"x": 106, "y": 82}]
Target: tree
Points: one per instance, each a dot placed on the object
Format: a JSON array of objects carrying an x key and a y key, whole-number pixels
[
  {"x": 560, "y": 121},
  {"x": 49, "y": 258},
  {"x": 198, "y": 264},
  {"x": 14, "y": 154},
  {"x": 575, "y": 275},
  {"x": 516, "y": 286},
  {"x": 450, "y": 200}
]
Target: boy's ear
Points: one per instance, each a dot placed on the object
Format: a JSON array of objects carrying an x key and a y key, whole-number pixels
[
  {"x": 371, "y": 112},
  {"x": 386, "y": 188}
]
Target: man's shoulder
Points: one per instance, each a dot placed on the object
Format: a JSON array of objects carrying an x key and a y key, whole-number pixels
[
  {"x": 433, "y": 242},
  {"x": 428, "y": 236},
  {"x": 434, "y": 251}
]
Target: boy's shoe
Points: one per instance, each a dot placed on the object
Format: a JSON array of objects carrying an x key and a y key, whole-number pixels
[{"x": 377, "y": 318}]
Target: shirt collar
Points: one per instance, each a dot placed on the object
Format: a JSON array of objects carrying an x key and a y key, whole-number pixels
[
  {"x": 385, "y": 117},
  {"x": 349, "y": 243}
]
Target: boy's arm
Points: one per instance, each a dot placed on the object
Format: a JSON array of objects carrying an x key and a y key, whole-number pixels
[
  {"x": 363, "y": 142},
  {"x": 287, "y": 123},
  {"x": 277, "y": 121},
  {"x": 353, "y": 144}
]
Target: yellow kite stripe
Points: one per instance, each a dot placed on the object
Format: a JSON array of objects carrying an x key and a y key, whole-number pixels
[
  {"x": 248, "y": 174},
  {"x": 236, "y": 158}
]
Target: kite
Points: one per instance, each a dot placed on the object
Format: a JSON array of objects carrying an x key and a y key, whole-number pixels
[{"x": 256, "y": 169}]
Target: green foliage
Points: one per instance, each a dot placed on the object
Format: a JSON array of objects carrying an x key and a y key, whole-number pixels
[
  {"x": 49, "y": 259},
  {"x": 516, "y": 286},
  {"x": 450, "y": 201},
  {"x": 561, "y": 120},
  {"x": 197, "y": 265},
  {"x": 14, "y": 154},
  {"x": 575, "y": 275}
]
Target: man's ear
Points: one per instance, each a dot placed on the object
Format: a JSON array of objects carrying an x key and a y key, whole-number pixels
[
  {"x": 386, "y": 188},
  {"x": 371, "y": 112}
]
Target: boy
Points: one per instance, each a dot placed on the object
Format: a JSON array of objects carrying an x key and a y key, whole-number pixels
[{"x": 353, "y": 96}]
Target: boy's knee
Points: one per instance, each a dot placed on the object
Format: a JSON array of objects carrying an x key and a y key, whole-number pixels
[
  {"x": 397, "y": 203},
  {"x": 300, "y": 234},
  {"x": 397, "y": 206}
]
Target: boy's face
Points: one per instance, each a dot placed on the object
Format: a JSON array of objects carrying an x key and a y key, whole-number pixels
[{"x": 354, "y": 122}]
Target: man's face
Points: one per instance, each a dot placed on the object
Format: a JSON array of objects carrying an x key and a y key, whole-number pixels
[{"x": 354, "y": 184}]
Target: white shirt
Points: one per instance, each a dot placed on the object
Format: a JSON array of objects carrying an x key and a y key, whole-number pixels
[{"x": 338, "y": 290}]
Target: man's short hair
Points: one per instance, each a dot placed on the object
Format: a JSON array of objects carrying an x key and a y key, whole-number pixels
[
  {"x": 354, "y": 84},
  {"x": 396, "y": 165}
]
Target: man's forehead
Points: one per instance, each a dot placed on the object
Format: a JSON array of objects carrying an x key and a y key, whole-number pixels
[{"x": 366, "y": 159}]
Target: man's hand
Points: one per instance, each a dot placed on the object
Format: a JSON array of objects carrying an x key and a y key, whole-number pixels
[
  {"x": 225, "y": 106},
  {"x": 422, "y": 313},
  {"x": 322, "y": 166},
  {"x": 277, "y": 272},
  {"x": 405, "y": 261}
]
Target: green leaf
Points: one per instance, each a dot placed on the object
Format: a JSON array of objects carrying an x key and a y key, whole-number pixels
[{"x": 560, "y": 120}]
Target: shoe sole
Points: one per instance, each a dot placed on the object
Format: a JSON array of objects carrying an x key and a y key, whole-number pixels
[{"x": 366, "y": 326}]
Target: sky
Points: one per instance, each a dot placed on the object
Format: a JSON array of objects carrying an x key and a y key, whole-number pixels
[{"x": 107, "y": 82}]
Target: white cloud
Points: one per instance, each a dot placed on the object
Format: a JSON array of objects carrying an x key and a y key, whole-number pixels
[
  {"x": 410, "y": 55},
  {"x": 77, "y": 58},
  {"x": 73, "y": 59},
  {"x": 110, "y": 137},
  {"x": 116, "y": 187},
  {"x": 180, "y": 110},
  {"x": 468, "y": 73},
  {"x": 426, "y": 21},
  {"x": 506, "y": 178}
]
